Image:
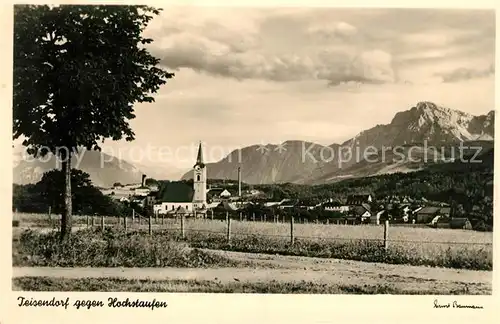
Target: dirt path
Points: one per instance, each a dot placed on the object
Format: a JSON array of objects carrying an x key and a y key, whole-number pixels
[
  {"x": 293, "y": 269},
  {"x": 367, "y": 269}
]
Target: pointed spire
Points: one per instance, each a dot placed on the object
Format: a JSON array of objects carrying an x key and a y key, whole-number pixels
[{"x": 199, "y": 158}]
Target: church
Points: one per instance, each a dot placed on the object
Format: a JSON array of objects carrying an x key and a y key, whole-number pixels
[{"x": 179, "y": 197}]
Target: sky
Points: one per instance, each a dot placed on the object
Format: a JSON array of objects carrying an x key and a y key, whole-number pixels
[{"x": 253, "y": 76}]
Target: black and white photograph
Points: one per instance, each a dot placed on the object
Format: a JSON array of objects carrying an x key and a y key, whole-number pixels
[{"x": 253, "y": 150}]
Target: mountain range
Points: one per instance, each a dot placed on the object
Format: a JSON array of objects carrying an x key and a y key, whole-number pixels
[
  {"x": 425, "y": 134},
  {"x": 104, "y": 169}
]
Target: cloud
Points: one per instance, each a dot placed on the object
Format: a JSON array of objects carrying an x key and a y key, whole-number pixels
[
  {"x": 339, "y": 29},
  {"x": 462, "y": 74},
  {"x": 250, "y": 53},
  {"x": 331, "y": 45},
  {"x": 373, "y": 66}
]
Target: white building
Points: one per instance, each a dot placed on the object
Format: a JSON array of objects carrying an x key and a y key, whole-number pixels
[
  {"x": 225, "y": 194},
  {"x": 178, "y": 194},
  {"x": 142, "y": 192}
]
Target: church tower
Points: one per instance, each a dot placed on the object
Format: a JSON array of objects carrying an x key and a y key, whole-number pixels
[{"x": 200, "y": 182}]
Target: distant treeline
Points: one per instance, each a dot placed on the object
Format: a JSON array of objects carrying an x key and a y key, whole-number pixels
[
  {"x": 467, "y": 187},
  {"x": 48, "y": 192}
]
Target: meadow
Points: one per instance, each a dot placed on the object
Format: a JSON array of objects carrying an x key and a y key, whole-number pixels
[
  {"x": 448, "y": 248},
  {"x": 211, "y": 286},
  {"x": 310, "y": 231}
]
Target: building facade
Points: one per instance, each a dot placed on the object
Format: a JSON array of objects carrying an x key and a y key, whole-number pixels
[
  {"x": 200, "y": 182},
  {"x": 179, "y": 194}
]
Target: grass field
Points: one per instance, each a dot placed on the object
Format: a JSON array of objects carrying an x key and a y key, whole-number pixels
[
  {"x": 450, "y": 248},
  {"x": 211, "y": 286},
  {"x": 136, "y": 248},
  {"x": 305, "y": 231}
]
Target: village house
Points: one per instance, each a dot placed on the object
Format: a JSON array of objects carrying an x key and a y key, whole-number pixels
[
  {"x": 287, "y": 204},
  {"x": 225, "y": 194},
  {"x": 353, "y": 200},
  {"x": 219, "y": 194},
  {"x": 213, "y": 194},
  {"x": 307, "y": 205},
  {"x": 275, "y": 203},
  {"x": 142, "y": 191},
  {"x": 251, "y": 192},
  {"x": 361, "y": 212},
  {"x": 428, "y": 214},
  {"x": 225, "y": 206},
  {"x": 335, "y": 206}
]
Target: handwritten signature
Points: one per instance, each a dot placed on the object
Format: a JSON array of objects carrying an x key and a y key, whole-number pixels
[{"x": 455, "y": 304}]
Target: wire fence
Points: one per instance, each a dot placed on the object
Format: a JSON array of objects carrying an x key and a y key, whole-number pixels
[{"x": 235, "y": 226}]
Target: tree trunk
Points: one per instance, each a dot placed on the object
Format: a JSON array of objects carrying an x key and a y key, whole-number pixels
[{"x": 66, "y": 218}]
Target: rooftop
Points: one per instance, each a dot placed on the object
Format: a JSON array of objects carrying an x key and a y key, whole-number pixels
[{"x": 176, "y": 192}]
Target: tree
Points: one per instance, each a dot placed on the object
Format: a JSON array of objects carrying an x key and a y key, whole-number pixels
[
  {"x": 28, "y": 199},
  {"x": 52, "y": 183},
  {"x": 151, "y": 182},
  {"x": 86, "y": 198},
  {"x": 78, "y": 71}
]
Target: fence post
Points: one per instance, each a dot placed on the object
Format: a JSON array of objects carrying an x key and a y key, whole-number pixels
[
  {"x": 50, "y": 215},
  {"x": 291, "y": 231},
  {"x": 212, "y": 215},
  {"x": 102, "y": 223},
  {"x": 93, "y": 221},
  {"x": 162, "y": 219},
  {"x": 253, "y": 217},
  {"x": 150, "y": 225},
  {"x": 228, "y": 229},
  {"x": 133, "y": 215},
  {"x": 156, "y": 217},
  {"x": 88, "y": 221},
  {"x": 386, "y": 234},
  {"x": 125, "y": 222},
  {"x": 182, "y": 226},
  {"x": 241, "y": 217}
]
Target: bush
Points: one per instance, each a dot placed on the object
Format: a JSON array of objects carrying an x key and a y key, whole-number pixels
[
  {"x": 481, "y": 226},
  {"x": 91, "y": 248},
  {"x": 166, "y": 248}
]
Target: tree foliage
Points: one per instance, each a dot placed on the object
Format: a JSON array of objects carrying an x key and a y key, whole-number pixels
[
  {"x": 78, "y": 71},
  {"x": 49, "y": 192}
]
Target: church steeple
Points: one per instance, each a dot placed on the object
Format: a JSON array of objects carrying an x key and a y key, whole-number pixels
[
  {"x": 200, "y": 182},
  {"x": 199, "y": 157}
]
